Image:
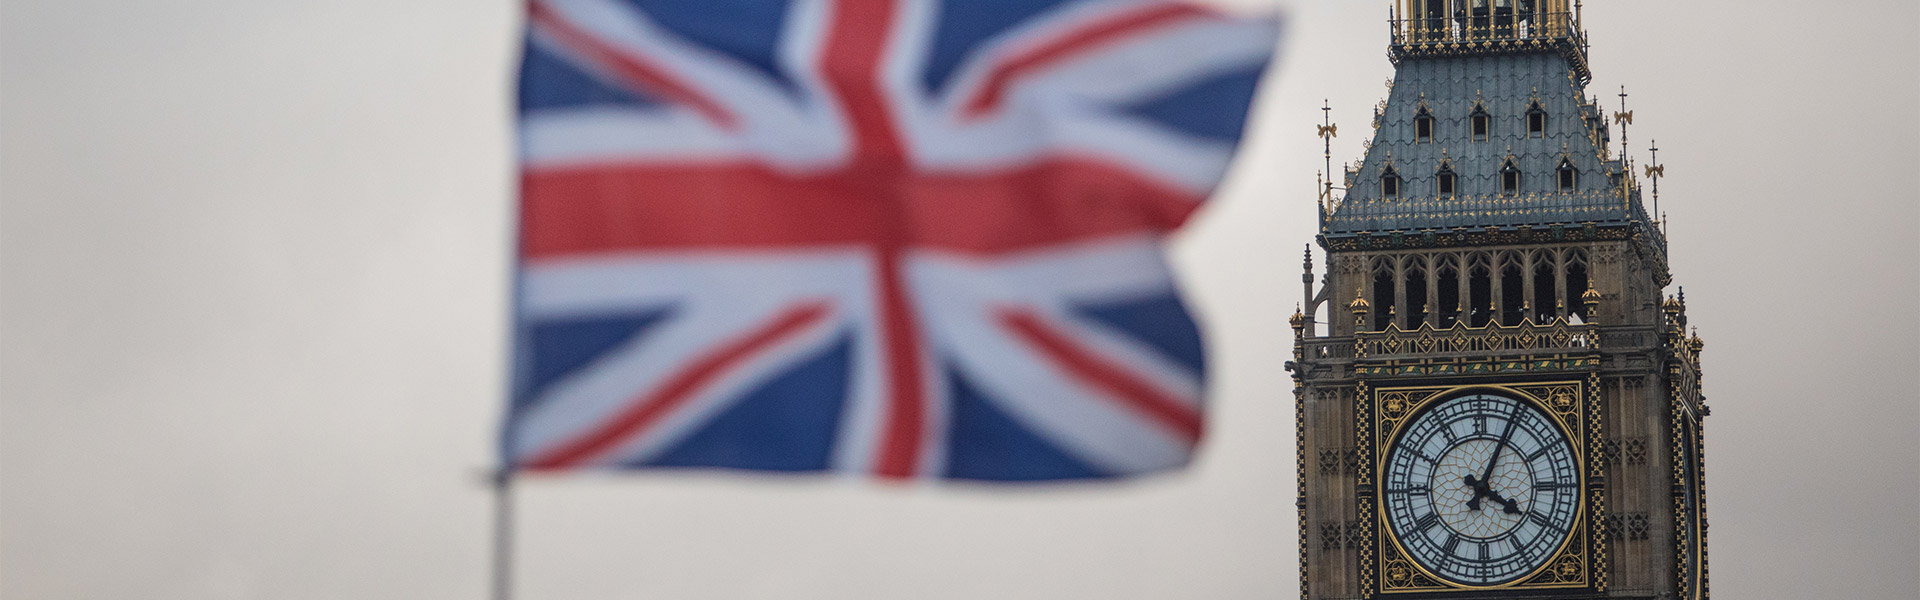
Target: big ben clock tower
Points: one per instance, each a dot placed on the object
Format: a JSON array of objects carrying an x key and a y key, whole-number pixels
[{"x": 1496, "y": 396}]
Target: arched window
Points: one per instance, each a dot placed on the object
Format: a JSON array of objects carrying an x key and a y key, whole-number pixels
[
  {"x": 1423, "y": 126},
  {"x": 1513, "y": 291},
  {"x": 1447, "y": 285},
  {"x": 1544, "y": 303},
  {"x": 1416, "y": 282},
  {"x": 1577, "y": 284},
  {"x": 1389, "y": 183},
  {"x": 1383, "y": 309},
  {"x": 1569, "y": 177},
  {"x": 1480, "y": 291},
  {"x": 1445, "y": 180},
  {"x": 1482, "y": 123},
  {"x": 1536, "y": 121}
]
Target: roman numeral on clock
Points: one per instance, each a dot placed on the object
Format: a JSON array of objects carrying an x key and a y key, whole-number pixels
[
  {"x": 1426, "y": 522},
  {"x": 1542, "y": 521}
]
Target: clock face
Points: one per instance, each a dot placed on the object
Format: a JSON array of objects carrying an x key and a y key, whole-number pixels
[{"x": 1481, "y": 489}]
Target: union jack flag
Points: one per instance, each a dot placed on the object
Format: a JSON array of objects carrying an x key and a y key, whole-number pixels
[{"x": 906, "y": 238}]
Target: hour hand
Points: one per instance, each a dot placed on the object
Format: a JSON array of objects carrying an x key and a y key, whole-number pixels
[
  {"x": 1507, "y": 506},
  {"x": 1482, "y": 489}
]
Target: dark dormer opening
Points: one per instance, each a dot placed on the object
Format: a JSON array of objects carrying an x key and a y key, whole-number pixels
[
  {"x": 1423, "y": 126},
  {"x": 1509, "y": 178},
  {"x": 1569, "y": 178},
  {"x": 1482, "y": 123},
  {"x": 1446, "y": 180},
  {"x": 1390, "y": 183},
  {"x": 1536, "y": 121}
]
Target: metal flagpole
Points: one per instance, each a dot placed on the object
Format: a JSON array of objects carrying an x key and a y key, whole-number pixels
[{"x": 503, "y": 534}]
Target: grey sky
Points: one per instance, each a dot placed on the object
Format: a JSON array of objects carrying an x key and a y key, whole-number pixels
[{"x": 251, "y": 289}]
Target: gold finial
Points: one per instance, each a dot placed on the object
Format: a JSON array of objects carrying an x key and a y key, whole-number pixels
[
  {"x": 1298, "y": 320},
  {"x": 1359, "y": 306},
  {"x": 1671, "y": 306},
  {"x": 1696, "y": 344}
]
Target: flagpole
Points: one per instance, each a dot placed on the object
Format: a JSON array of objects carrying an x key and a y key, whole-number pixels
[{"x": 503, "y": 534}]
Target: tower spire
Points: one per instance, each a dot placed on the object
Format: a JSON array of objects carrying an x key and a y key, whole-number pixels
[
  {"x": 1624, "y": 117},
  {"x": 1655, "y": 171},
  {"x": 1327, "y": 131}
]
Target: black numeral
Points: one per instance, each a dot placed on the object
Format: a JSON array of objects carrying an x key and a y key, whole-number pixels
[
  {"x": 1418, "y": 490},
  {"x": 1542, "y": 521},
  {"x": 1426, "y": 522}
]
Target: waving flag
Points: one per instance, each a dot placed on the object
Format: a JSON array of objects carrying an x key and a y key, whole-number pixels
[{"x": 906, "y": 238}]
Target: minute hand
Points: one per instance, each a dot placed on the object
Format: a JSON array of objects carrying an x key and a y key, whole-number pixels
[{"x": 1500, "y": 447}]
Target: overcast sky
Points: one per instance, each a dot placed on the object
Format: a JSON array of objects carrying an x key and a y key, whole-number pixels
[{"x": 252, "y": 261}]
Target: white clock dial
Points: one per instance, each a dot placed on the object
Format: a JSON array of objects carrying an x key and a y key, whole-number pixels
[{"x": 1481, "y": 489}]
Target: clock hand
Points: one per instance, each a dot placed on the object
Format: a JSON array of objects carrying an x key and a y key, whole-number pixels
[
  {"x": 1505, "y": 434},
  {"x": 1511, "y": 507},
  {"x": 1479, "y": 491},
  {"x": 1481, "y": 488}
]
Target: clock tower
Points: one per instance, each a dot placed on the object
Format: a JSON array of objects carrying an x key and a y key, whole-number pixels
[{"x": 1496, "y": 397}]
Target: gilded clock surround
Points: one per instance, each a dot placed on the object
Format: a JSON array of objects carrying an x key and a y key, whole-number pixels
[{"x": 1570, "y": 566}]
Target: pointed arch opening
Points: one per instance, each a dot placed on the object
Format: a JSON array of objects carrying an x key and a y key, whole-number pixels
[
  {"x": 1544, "y": 302},
  {"x": 1577, "y": 283},
  {"x": 1513, "y": 291},
  {"x": 1417, "y": 282},
  {"x": 1383, "y": 310},
  {"x": 1479, "y": 292},
  {"x": 1448, "y": 297}
]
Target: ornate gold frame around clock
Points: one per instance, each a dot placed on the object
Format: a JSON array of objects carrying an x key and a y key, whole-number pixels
[{"x": 1579, "y": 562}]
